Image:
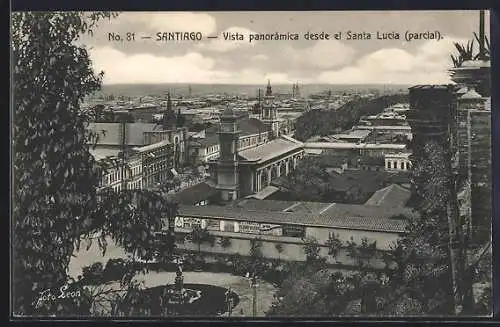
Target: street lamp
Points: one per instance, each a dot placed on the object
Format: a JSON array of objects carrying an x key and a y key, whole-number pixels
[
  {"x": 253, "y": 284},
  {"x": 229, "y": 301}
]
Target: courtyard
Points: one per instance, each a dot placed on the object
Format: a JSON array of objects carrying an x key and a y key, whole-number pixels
[{"x": 238, "y": 284}]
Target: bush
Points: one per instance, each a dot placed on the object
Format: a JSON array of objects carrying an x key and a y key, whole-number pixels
[
  {"x": 93, "y": 274},
  {"x": 115, "y": 269}
]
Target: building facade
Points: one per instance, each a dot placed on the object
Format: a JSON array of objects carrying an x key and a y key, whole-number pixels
[
  {"x": 156, "y": 162},
  {"x": 117, "y": 136},
  {"x": 297, "y": 222},
  {"x": 397, "y": 161}
]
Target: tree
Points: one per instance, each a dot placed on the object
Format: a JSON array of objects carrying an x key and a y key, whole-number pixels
[
  {"x": 225, "y": 242},
  {"x": 255, "y": 249},
  {"x": 309, "y": 181},
  {"x": 99, "y": 112},
  {"x": 280, "y": 249},
  {"x": 334, "y": 245},
  {"x": 325, "y": 121},
  {"x": 199, "y": 236},
  {"x": 361, "y": 253},
  {"x": 176, "y": 181},
  {"x": 311, "y": 249},
  {"x": 56, "y": 204}
]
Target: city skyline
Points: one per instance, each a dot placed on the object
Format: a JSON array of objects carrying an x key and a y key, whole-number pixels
[{"x": 216, "y": 61}]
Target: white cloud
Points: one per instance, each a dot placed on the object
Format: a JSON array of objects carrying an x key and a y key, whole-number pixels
[
  {"x": 224, "y": 45},
  {"x": 147, "y": 68},
  {"x": 323, "y": 54},
  {"x": 260, "y": 57},
  {"x": 428, "y": 64},
  {"x": 172, "y": 21},
  {"x": 190, "y": 68}
]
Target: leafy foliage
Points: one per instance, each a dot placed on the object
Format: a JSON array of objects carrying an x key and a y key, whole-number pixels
[
  {"x": 56, "y": 203},
  {"x": 315, "y": 179},
  {"x": 255, "y": 249},
  {"x": 225, "y": 242},
  {"x": 466, "y": 52},
  {"x": 199, "y": 236},
  {"x": 311, "y": 250},
  {"x": 280, "y": 248},
  {"x": 334, "y": 245},
  {"x": 362, "y": 253},
  {"x": 324, "y": 122}
]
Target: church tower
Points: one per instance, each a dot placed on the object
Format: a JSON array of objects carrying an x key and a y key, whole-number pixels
[
  {"x": 169, "y": 118},
  {"x": 270, "y": 113},
  {"x": 227, "y": 168}
]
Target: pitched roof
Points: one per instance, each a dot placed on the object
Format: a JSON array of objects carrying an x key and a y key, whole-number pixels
[
  {"x": 100, "y": 153},
  {"x": 284, "y": 206},
  {"x": 471, "y": 94},
  {"x": 195, "y": 194},
  {"x": 309, "y": 207},
  {"x": 365, "y": 211},
  {"x": 390, "y": 196},
  {"x": 270, "y": 149},
  {"x": 266, "y": 205},
  {"x": 247, "y": 126},
  {"x": 329, "y": 219},
  {"x": 109, "y": 133}
]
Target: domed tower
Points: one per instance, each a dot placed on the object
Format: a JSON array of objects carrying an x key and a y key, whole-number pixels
[
  {"x": 227, "y": 168},
  {"x": 270, "y": 113}
]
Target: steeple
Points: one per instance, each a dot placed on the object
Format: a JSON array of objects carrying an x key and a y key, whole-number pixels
[
  {"x": 270, "y": 113},
  {"x": 169, "y": 118},
  {"x": 269, "y": 90}
]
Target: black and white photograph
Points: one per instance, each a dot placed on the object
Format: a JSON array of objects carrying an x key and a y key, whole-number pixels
[{"x": 251, "y": 165}]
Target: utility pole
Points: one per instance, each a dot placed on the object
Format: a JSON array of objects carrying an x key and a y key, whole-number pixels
[
  {"x": 229, "y": 302},
  {"x": 254, "y": 298},
  {"x": 253, "y": 285}
]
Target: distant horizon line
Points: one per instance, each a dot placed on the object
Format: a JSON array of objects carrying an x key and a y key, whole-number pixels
[{"x": 403, "y": 84}]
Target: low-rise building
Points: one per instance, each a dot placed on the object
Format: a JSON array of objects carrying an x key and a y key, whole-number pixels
[
  {"x": 296, "y": 221},
  {"x": 397, "y": 161}
]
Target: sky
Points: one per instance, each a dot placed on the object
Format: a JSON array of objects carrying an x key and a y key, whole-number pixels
[{"x": 216, "y": 61}]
